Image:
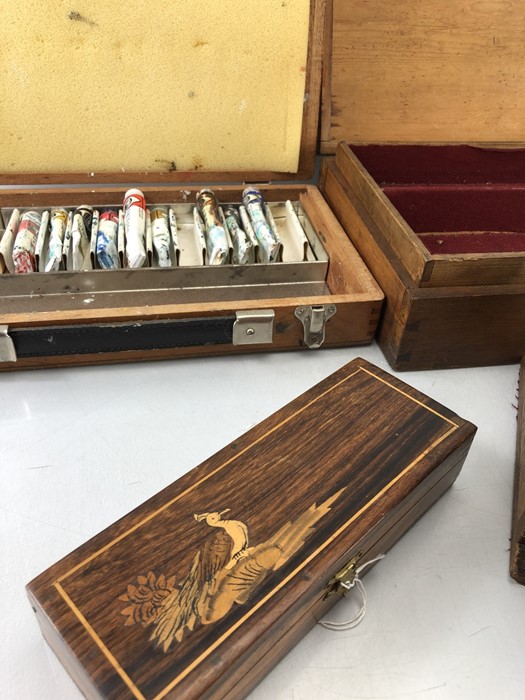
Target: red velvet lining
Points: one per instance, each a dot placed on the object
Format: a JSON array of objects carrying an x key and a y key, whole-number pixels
[
  {"x": 441, "y": 164},
  {"x": 473, "y": 242},
  {"x": 461, "y": 208},
  {"x": 453, "y": 189}
]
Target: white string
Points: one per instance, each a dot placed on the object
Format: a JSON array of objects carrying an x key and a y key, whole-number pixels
[{"x": 356, "y": 583}]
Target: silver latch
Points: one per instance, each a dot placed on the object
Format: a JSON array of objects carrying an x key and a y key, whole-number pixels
[
  {"x": 254, "y": 327},
  {"x": 7, "y": 347},
  {"x": 314, "y": 320}
]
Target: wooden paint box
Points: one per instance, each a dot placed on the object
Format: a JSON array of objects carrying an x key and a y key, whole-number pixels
[
  {"x": 131, "y": 315},
  {"x": 440, "y": 226},
  {"x": 199, "y": 592},
  {"x": 256, "y": 122}
]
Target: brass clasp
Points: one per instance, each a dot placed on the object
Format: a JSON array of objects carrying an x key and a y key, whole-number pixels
[{"x": 344, "y": 577}]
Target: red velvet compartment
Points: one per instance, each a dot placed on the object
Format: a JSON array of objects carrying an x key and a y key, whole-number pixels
[
  {"x": 473, "y": 242},
  {"x": 499, "y": 209},
  {"x": 450, "y": 191},
  {"x": 441, "y": 165}
]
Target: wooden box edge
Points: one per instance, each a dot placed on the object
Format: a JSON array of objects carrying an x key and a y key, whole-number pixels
[{"x": 517, "y": 548}]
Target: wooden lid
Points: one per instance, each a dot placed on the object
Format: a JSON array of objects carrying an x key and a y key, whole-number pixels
[
  {"x": 438, "y": 71},
  {"x": 189, "y": 92}
]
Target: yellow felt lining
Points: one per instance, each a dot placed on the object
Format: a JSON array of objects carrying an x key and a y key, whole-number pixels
[{"x": 92, "y": 85}]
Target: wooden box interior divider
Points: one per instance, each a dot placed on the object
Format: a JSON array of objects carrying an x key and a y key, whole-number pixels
[{"x": 201, "y": 590}]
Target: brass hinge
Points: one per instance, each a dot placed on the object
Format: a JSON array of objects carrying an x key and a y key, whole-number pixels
[
  {"x": 342, "y": 580},
  {"x": 314, "y": 319},
  {"x": 7, "y": 347}
]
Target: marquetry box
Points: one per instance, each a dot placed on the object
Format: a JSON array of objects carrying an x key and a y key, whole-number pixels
[
  {"x": 200, "y": 591},
  {"x": 107, "y": 96},
  {"x": 439, "y": 223}
]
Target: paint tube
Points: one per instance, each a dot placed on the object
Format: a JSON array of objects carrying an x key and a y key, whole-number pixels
[
  {"x": 56, "y": 239},
  {"x": 269, "y": 243},
  {"x": 161, "y": 236},
  {"x": 80, "y": 233},
  {"x": 25, "y": 243},
  {"x": 216, "y": 240},
  {"x": 135, "y": 224},
  {"x": 107, "y": 251},
  {"x": 242, "y": 246}
]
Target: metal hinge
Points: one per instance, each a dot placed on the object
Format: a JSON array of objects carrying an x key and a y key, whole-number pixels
[
  {"x": 254, "y": 327},
  {"x": 7, "y": 347},
  {"x": 340, "y": 583},
  {"x": 314, "y": 320}
]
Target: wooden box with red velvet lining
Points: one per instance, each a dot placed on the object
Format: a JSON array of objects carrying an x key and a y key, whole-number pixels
[
  {"x": 442, "y": 229},
  {"x": 440, "y": 224}
]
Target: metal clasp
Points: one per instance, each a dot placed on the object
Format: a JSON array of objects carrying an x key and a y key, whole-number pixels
[
  {"x": 314, "y": 320},
  {"x": 254, "y": 327},
  {"x": 7, "y": 347},
  {"x": 344, "y": 577}
]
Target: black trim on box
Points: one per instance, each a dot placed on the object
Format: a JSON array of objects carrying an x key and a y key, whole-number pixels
[{"x": 118, "y": 337}]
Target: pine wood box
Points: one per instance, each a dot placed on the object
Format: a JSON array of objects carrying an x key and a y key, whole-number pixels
[
  {"x": 95, "y": 317},
  {"x": 200, "y": 591},
  {"x": 423, "y": 111}
]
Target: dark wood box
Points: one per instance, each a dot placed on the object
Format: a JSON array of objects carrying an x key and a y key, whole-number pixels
[
  {"x": 199, "y": 592},
  {"x": 100, "y": 316},
  {"x": 439, "y": 223}
]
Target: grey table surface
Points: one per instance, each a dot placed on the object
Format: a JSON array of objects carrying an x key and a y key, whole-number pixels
[{"x": 80, "y": 447}]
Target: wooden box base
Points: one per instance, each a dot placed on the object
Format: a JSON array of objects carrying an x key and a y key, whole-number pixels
[
  {"x": 446, "y": 306},
  {"x": 200, "y": 591}
]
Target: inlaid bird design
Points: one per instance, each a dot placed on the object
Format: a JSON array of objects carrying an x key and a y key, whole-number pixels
[{"x": 226, "y": 571}]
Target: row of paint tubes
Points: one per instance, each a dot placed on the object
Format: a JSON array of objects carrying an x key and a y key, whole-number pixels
[
  {"x": 58, "y": 240},
  {"x": 138, "y": 236}
]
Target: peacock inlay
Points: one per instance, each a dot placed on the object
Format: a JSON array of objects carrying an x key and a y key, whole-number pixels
[{"x": 226, "y": 571}]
